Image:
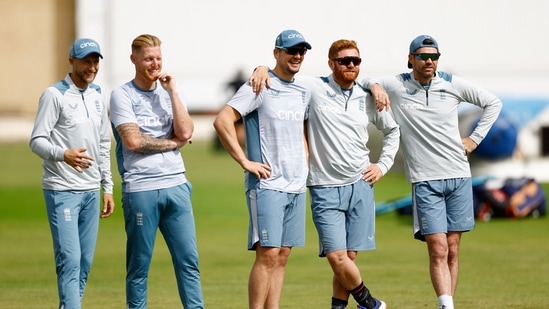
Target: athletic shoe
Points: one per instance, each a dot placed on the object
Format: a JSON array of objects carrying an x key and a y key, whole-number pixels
[{"x": 379, "y": 305}]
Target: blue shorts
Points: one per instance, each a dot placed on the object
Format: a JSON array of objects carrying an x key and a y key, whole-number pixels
[
  {"x": 277, "y": 219},
  {"x": 344, "y": 217},
  {"x": 441, "y": 206}
]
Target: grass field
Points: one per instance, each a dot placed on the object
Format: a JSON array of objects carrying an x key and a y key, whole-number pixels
[{"x": 504, "y": 263}]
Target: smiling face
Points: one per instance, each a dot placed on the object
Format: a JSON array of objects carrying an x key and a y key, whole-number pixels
[
  {"x": 84, "y": 70},
  {"x": 148, "y": 64},
  {"x": 147, "y": 58},
  {"x": 288, "y": 61}
]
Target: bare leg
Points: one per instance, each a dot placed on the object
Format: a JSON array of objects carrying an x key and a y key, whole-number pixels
[
  {"x": 441, "y": 278},
  {"x": 339, "y": 291},
  {"x": 267, "y": 277},
  {"x": 454, "y": 239},
  {"x": 345, "y": 270},
  {"x": 277, "y": 279}
]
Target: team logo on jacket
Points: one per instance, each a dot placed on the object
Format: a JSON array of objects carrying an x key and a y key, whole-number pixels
[
  {"x": 274, "y": 92},
  {"x": 411, "y": 92},
  {"x": 330, "y": 95},
  {"x": 98, "y": 106},
  {"x": 443, "y": 94},
  {"x": 362, "y": 105}
]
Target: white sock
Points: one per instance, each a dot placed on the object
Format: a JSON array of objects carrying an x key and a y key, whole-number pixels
[{"x": 445, "y": 302}]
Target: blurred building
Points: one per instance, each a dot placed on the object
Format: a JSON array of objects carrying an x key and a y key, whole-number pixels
[{"x": 36, "y": 35}]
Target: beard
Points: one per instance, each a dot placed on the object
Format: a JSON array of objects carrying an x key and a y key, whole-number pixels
[
  {"x": 83, "y": 77},
  {"x": 348, "y": 76}
]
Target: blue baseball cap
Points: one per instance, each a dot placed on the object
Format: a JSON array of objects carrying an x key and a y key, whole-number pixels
[
  {"x": 422, "y": 41},
  {"x": 290, "y": 38},
  {"x": 83, "y": 47}
]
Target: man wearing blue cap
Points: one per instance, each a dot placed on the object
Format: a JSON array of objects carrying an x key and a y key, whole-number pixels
[
  {"x": 341, "y": 175},
  {"x": 72, "y": 135},
  {"x": 425, "y": 103},
  {"x": 275, "y": 165}
]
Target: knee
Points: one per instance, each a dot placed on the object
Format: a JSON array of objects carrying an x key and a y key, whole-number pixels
[
  {"x": 453, "y": 252},
  {"x": 352, "y": 255},
  {"x": 284, "y": 255},
  {"x": 70, "y": 258},
  {"x": 438, "y": 251},
  {"x": 269, "y": 258},
  {"x": 70, "y": 263},
  {"x": 336, "y": 258},
  {"x": 439, "y": 257},
  {"x": 453, "y": 246}
]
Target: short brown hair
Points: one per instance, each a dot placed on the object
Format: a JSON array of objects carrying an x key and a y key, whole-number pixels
[{"x": 340, "y": 45}]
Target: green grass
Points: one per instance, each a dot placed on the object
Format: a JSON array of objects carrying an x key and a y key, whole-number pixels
[{"x": 504, "y": 263}]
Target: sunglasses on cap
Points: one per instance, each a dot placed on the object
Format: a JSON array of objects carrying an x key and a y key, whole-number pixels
[
  {"x": 347, "y": 60},
  {"x": 426, "y": 56},
  {"x": 295, "y": 50}
]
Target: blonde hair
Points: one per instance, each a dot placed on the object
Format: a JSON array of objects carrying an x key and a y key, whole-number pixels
[
  {"x": 340, "y": 45},
  {"x": 145, "y": 40}
]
